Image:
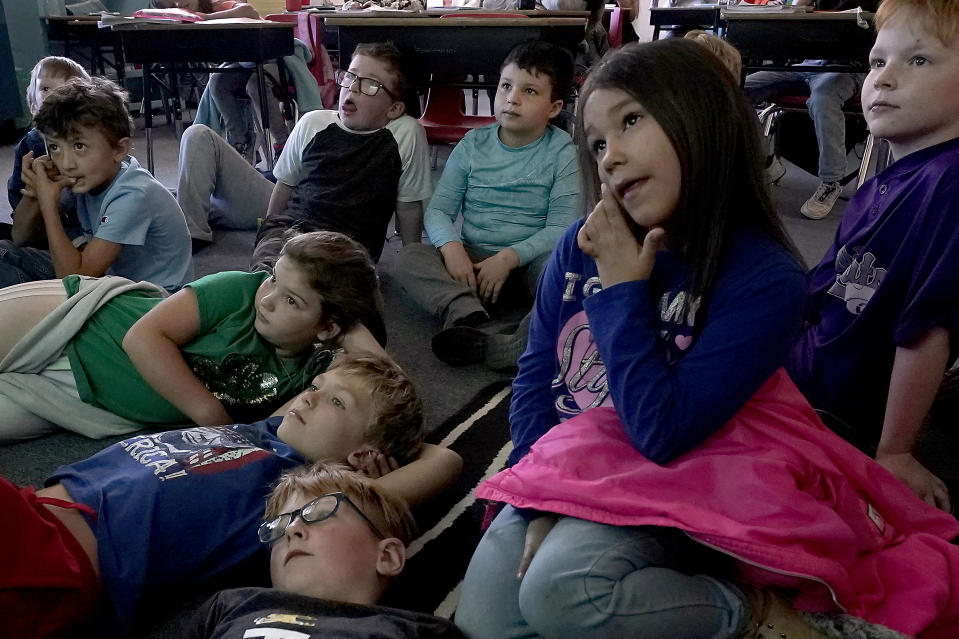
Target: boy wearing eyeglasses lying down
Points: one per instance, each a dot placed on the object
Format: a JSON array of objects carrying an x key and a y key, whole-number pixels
[
  {"x": 344, "y": 170},
  {"x": 336, "y": 541},
  {"x": 178, "y": 508}
]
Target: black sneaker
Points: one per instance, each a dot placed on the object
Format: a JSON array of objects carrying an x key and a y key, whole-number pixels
[{"x": 460, "y": 345}]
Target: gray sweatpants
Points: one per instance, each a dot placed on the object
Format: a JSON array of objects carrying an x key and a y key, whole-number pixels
[
  {"x": 216, "y": 183},
  {"x": 422, "y": 273}
]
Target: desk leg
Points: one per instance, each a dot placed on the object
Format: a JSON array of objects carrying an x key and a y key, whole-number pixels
[
  {"x": 175, "y": 101},
  {"x": 148, "y": 114},
  {"x": 265, "y": 114},
  {"x": 120, "y": 65}
]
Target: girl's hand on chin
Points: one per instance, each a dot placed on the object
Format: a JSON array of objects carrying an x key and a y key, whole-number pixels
[{"x": 608, "y": 239}]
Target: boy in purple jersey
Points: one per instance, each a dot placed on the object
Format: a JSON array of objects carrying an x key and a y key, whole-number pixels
[{"x": 884, "y": 314}]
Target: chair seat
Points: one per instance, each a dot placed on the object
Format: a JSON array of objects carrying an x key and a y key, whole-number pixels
[{"x": 444, "y": 120}]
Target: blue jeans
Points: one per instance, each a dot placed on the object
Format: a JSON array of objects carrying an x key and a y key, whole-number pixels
[
  {"x": 237, "y": 98},
  {"x": 19, "y": 264},
  {"x": 590, "y": 580},
  {"x": 828, "y": 92}
]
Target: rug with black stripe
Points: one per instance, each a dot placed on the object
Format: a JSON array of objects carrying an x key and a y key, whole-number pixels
[{"x": 450, "y": 526}]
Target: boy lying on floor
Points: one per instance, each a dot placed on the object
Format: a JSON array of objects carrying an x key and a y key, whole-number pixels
[
  {"x": 336, "y": 541},
  {"x": 180, "y": 507}
]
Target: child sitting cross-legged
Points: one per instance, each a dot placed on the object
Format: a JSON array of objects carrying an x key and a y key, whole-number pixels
[
  {"x": 133, "y": 225},
  {"x": 336, "y": 541},
  {"x": 517, "y": 184},
  {"x": 154, "y": 512},
  {"x": 111, "y": 356},
  {"x": 24, "y": 258}
]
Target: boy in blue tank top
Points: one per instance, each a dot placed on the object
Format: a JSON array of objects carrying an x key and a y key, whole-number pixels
[{"x": 884, "y": 315}]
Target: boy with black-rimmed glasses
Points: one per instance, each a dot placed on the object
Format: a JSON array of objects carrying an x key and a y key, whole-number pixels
[
  {"x": 346, "y": 170},
  {"x": 336, "y": 541}
]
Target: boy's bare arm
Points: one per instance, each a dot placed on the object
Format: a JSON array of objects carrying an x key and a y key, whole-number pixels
[
  {"x": 278, "y": 199},
  {"x": 425, "y": 477},
  {"x": 916, "y": 375},
  {"x": 27, "y": 222},
  {"x": 27, "y": 219},
  {"x": 410, "y": 217},
  {"x": 359, "y": 339},
  {"x": 153, "y": 345}
]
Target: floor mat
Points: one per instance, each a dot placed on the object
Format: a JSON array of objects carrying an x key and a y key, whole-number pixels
[{"x": 450, "y": 525}]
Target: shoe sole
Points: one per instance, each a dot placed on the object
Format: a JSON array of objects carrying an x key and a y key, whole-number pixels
[
  {"x": 460, "y": 345},
  {"x": 776, "y": 179},
  {"x": 814, "y": 216}
]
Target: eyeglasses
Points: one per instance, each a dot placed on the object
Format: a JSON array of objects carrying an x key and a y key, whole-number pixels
[
  {"x": 321, "y": 508},
  {"x": 368, "y": 86}
]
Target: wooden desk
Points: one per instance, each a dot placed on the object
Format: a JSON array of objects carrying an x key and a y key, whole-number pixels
[
  {"x": 783, "y": 36},
  {"x": 82, "y": 31},
  {"x": 161, "y": 47},
  {"x": 702, "y": 16},
  {"x": 453, "y": 46}
]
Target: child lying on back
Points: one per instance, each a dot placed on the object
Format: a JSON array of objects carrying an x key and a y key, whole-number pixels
[{"x": 157, "y": 511}]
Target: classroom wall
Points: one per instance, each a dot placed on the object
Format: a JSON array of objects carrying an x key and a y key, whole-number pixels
[{"x": 23, "y": 41}]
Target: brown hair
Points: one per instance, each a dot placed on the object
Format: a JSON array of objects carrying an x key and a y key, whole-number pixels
[
  {"x": 397, "y": 426},
  {"x": 390, "y": 55},
  {"x": 340, "y": 271},
  {"x": 57, "y": 67},
  {"x": 937, "y": 16},
  {"x": 539, "y": 57},
  {"x": 97, "y": 102},
  {"x": 727, "y": 53},
  {"x": 387, "y": 511}
]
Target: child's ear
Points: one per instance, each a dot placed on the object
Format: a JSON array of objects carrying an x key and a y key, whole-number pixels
[
  {"x": 122, "y": 149},
  {"x": 329, "y": 333},
  {"x": 359, "y": 458},
  {"x": 555, "y": 109},
  {"x": 392, "y": 557},
  {"x": 397, "y": 109}
]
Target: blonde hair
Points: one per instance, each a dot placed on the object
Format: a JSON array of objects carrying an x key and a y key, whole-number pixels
[
  {"x": 397, "y": 426},
  {"x": 56, "y": 66},
  {"x": 388, "y": 512},
  {"x": 727, "y": 53},
  {"x": 937, "y": 16}
]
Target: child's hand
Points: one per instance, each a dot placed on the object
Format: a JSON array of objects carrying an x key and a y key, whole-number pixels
[
  {"x": 909, "y": 471},
  {"x": 608, "y": 239},
  {"x": 28, "y": 177},
  {"x": 48, "y": 182},
  {"x": 535, "y": 534},
  {"x": 373, "y": 463},
  {"x": 458, "y": 264},
  {"x": 492, "y": 272}
]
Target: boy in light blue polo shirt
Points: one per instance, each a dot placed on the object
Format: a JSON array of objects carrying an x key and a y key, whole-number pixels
[
  {"x": 132, "y": 225},
  {"x": 517, "y": 184}
]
